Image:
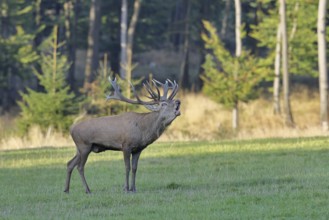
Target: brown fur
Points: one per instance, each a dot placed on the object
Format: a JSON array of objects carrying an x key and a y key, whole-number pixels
[{"x": 130, "y": 133}]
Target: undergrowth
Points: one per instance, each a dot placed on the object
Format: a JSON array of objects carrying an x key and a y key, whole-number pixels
[{"x": 203, "y": 119}]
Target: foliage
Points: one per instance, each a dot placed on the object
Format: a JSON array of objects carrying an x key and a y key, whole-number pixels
[
  {"x": 301, "y": 34},
  {"x": 159, "y": 28},
  {"x": 55, "y": 106},
  {"x": 262, "y": 179},
  {"x": 96, "y": 103},
  {"x": 228, "y": 79},
  {"x": 17, "y": 54}
]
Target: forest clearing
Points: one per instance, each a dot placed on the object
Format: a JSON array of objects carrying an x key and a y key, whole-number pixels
[
  {"x": 239, "y": 90},
  {"x": 251, "y": 179}
]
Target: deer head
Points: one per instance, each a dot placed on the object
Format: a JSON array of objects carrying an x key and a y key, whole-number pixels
[{"x": 165, "y": 104}]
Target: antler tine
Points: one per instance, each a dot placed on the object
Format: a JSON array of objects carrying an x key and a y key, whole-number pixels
[
  {"x": 174, "y": 89},
  {"x": 165, "y": 88},
  {"x": 158, "y": 91},
  {"x": 153, "y": 95},
  {"x": 135, "y": 93},
  {"x": 171, "y": 83},
  {"x": 118, "y": 96}
]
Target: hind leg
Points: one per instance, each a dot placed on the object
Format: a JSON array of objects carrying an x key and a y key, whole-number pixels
[
  {"x": 81, "y": 167},
  {"x": 70, "y": 166}
]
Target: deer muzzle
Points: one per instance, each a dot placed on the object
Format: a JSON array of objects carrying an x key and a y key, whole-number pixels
[{"x": 177, "y": 109}]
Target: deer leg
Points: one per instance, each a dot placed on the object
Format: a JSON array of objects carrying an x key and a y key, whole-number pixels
[
  {"x": 126, "y": 157},
  {"x": 70, "y": 166},
  {"x": 134, "y": 160},
  {"x": 81, "y": 168}
]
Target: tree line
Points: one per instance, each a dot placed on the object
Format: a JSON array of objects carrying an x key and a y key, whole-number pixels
[
  {"x": 93, "y": 26},
  {"x": 239, "y": 44},
  {"x": 292, "y": 45}
]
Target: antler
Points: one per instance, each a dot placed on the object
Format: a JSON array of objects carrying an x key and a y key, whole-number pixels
[
  {"x": 118, "y": 96},
  {"x": 154, "y": 95},
  {"x": 165, "y": 86}
]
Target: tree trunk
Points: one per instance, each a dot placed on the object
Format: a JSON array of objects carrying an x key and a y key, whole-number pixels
[
  {"x": 123, "y": 38},
  {"x": 76, "y": 10},
  {"x": 203, "y": 13},
  {"x": 130, "y": 41},
  {"x": 4, "y": 33},
  {"x": 70, "y": 40},
  {"x": 184, "y": 69},
  {"x": 323, "y": 81},
  {"x": 37, "y": 15},
  {"x": 276, "y": 82},
  {"x": 294, "y": 24},
  {"x": 176, "y": 30},
  {"x": 293, "y": 28},
  {"x": 4, "y": 20},
  {"x": 93, "y": 39},
  {"x": 235, "y": 116},
  {"x": 285, "y": 70},
  {"x": 238, "y": 50},
  {"x": 238, "y": 41},
  {"x": 225, "y": 18}
]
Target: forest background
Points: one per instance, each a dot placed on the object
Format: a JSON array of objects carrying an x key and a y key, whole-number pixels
[{"x": 246, "y": 68}]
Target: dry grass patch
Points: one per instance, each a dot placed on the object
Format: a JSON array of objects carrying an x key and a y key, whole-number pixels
[
  {"x": 203, "y": 119},
  {"x": 36, "y": 138}
]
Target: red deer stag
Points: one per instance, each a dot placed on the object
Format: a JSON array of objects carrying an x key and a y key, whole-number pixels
[{"x": 130, "y": 132}]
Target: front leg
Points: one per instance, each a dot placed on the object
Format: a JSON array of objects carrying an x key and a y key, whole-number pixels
[
  {"x": 134, "y": 170},
  {"x": 126, "y": 157}
]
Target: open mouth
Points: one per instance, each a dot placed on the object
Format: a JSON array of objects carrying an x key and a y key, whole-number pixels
[{"x": 177, "y": 112}]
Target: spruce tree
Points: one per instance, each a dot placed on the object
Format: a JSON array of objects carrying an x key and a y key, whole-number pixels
[
  {"x": 228, "y": 79},
  {"x": 56, "y": 105}
]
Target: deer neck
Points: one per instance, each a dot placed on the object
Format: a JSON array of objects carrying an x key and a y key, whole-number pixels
[{"x": 155, "y": 126}]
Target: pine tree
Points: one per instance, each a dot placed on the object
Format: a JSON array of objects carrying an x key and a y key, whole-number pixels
[
  {"x": 223, "y": 83},
  {"x": 16, "y": 57},
  {"x": 55, "y": 106}
]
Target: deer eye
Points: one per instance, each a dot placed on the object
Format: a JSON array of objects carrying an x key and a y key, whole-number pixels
[{"x": 164, "y": 104}]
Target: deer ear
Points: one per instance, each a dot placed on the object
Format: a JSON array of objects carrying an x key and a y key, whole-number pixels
[{"x": 152, "y": 108}]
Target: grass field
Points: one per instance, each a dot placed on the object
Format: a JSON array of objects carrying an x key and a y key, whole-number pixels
[{"x": 254, "y": 179}]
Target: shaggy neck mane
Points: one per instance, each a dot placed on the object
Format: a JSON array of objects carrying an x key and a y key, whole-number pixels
[{"x": 153, "y": 129}]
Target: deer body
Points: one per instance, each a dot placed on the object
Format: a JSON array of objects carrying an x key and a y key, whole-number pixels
[
  {"x": 129, "y": 132},
  {"x": 134, "y": 130}
]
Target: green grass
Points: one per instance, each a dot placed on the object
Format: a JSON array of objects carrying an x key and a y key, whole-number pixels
[{"x": 255, "y": 179}]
